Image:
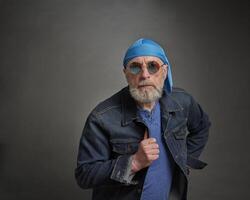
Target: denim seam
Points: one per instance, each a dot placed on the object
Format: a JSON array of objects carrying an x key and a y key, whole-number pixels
[{"x": 106, "y": 109}]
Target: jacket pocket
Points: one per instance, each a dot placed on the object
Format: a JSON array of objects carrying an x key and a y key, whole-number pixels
[
  {"x": 180, "y": 135},
  {"x": 124, "y": 146},
  {"x": 180, "y": 131}
]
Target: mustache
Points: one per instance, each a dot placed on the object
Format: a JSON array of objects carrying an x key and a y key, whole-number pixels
[{"x": 144, "y": 83}]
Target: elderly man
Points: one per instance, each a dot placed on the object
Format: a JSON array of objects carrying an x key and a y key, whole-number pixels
[{"x": 141, "y": 142}]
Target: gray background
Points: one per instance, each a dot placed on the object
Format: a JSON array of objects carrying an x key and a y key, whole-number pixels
[{"x": 59, "y": 58}]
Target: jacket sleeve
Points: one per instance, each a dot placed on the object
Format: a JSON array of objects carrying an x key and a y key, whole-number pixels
[
  {"x": 198, "y": 127},
  {"x": 94, "y": 164}
]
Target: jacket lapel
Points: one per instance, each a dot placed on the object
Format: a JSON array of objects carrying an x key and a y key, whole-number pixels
[{"x": 169, "y": 107}]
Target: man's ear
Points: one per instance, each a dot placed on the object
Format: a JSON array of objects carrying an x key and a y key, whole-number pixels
[{"x": 165, "y": 70}]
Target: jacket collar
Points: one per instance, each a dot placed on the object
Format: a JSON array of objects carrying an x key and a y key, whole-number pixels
[{"x": 129, "y": 108}]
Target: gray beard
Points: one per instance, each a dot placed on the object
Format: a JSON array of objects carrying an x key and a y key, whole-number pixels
[{"x": 146, "y": 96}]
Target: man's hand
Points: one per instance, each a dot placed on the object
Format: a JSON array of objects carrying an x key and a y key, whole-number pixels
[{"x": 148, "y": 151}]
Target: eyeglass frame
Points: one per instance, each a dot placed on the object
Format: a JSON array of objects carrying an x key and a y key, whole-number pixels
[{"x": 160, "y": 65}]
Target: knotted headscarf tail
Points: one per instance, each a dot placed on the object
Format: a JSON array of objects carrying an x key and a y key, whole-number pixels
[{"x": 147, "y": 47}]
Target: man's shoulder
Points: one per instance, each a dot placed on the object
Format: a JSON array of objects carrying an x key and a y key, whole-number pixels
[
  {"x": 113, "y": 102},
  {"x": 181, "y": 96},
  {"x": 179, "y": 92}
]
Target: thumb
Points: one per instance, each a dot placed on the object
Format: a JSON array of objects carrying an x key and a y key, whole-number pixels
[{"x": 145, "y": 134}]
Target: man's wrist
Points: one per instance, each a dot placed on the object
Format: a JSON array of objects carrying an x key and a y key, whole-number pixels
[{"x": 135, "y": 165}]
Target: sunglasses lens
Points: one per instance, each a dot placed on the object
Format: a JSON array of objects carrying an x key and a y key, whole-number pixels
[
  {"x": 153, "y": 67},
  {"x": 135, "y": 68}
]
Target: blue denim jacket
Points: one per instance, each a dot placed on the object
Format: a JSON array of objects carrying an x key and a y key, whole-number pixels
[{"x": 111, "y": 136}]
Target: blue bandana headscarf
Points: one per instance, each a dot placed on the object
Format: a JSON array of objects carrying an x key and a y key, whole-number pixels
[{"x": 147, "y": 47}]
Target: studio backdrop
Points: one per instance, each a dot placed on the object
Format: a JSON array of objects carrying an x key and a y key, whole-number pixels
[{"x": 59, "y": 59}]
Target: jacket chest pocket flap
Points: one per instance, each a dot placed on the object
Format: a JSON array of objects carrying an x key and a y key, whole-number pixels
[
  {"x": 124, "y": 146},
  {"x": 180, "y": 131}
]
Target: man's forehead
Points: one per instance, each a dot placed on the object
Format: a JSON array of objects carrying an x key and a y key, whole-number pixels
[{"x": 141, "y": 59}]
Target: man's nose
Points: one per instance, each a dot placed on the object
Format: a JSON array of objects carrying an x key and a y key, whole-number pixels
[{"x": 144, "y": 73}]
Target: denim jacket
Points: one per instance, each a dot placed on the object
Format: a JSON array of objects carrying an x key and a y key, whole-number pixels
[{"x": 111, "y": 136}]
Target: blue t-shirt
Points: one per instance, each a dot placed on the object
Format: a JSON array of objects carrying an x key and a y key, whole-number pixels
[{"x": 159, "y": 175}]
